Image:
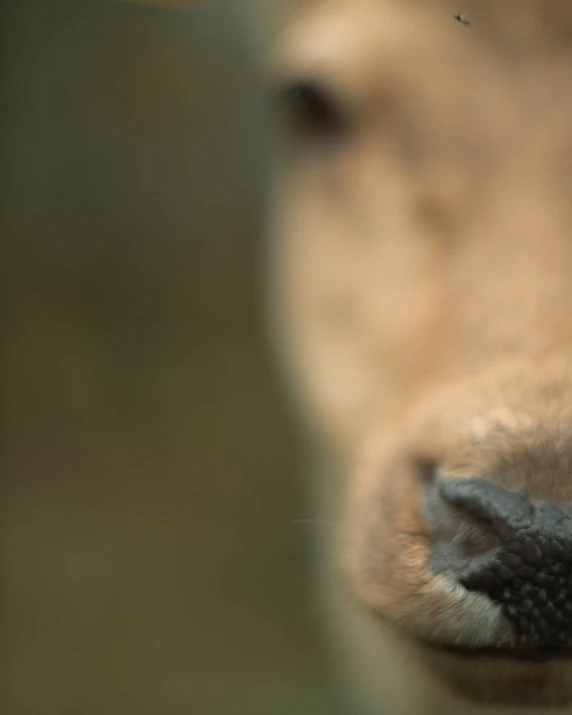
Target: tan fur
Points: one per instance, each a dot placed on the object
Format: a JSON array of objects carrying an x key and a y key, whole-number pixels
[{"x": 422, "y": 290}]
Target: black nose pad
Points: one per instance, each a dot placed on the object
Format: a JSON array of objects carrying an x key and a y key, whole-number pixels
[{"x": 497, "y": 543}]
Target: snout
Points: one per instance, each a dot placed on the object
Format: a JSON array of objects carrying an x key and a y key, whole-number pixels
[{"x": 460, "y": 537}]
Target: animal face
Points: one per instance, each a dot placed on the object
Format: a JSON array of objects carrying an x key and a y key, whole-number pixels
[{"x": 422, "y": 286}]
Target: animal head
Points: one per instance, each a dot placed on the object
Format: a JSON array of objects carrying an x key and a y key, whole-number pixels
[{"x": 422, "y": 292}]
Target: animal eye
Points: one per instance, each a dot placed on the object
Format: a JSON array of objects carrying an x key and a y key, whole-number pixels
[{"x": 312, "y": 111}]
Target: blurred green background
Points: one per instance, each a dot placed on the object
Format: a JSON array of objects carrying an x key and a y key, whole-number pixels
[{"x": 151, "y": 561}]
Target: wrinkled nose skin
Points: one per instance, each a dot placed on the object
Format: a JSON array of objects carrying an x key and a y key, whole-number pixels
[{"x": 516, "y": 551}]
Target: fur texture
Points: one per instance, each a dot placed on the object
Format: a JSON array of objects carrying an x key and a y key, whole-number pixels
[{"x": 421, "y": 292}]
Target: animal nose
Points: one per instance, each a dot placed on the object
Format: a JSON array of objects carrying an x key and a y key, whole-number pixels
[{"x": 517, "y": 552}]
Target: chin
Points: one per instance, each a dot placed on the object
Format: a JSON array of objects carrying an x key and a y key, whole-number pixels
[
  {"x": 391, "y": 670},
  {"x": 495, "y": 677}
]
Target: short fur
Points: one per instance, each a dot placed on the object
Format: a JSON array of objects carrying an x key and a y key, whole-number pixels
[{"x": 421, "y": 290}]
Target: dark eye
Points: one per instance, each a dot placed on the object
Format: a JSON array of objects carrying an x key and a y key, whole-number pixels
[{"x": 313, "y": 111}]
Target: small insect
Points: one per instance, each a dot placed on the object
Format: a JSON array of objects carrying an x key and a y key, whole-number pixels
[{"x": 463, "y": 19}]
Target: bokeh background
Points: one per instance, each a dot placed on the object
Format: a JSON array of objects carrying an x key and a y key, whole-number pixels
[
  {"x": 154, "y": 553},
  {"x": 152, "y": 560}
]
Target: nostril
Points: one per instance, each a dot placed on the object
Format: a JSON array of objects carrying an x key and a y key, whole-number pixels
[
  {"x": 504, "y": 512},
  {"x": 497, "y": 543},
  {"x": 461, "y": 522}
]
